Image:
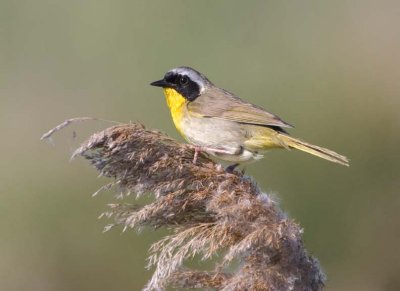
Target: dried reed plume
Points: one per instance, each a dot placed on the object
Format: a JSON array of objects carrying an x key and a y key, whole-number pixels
[{"x": 210, "y": 212}]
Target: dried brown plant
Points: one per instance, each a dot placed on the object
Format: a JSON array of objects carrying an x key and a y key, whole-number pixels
[{"x": 210, "y": 212}]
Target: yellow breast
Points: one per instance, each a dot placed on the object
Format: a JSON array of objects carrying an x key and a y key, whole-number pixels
[{"x": 176, "y": 103}]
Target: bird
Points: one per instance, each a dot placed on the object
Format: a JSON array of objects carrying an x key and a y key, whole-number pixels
[{"x": 220, "y": 123}]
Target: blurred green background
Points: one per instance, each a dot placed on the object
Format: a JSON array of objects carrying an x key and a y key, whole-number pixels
[{"x": 331, "y": 68}]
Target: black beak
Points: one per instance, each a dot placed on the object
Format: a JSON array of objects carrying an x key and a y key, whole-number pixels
[{"x": 161, "y": 83}]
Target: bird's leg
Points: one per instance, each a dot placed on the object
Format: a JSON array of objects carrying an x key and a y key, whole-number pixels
[
  {"x": 216, "y": 150},
  {"x": 198, "y": 149},
  {"x": 230, "y": 168}
]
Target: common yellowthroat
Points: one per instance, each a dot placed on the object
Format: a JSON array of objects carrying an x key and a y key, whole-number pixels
[{"x": 220, "y": 123}]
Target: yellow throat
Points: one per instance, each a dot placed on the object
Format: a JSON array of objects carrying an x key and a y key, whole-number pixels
[{"x": 176, "y": 103}]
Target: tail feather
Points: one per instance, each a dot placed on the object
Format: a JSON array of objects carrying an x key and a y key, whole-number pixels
[{"x": 314, "y": 150}]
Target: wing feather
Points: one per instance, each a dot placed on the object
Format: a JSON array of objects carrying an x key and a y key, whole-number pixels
[{"x": 218, "y": 103}]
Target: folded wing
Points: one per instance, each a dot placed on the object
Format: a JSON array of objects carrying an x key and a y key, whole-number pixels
[{"x": 218, "y": 103}]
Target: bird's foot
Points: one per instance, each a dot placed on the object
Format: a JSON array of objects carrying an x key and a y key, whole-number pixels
[{"x": 232, "y": 167}]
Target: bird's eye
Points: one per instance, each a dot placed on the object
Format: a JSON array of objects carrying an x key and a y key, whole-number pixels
[{"x": 184, "y": 80}]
